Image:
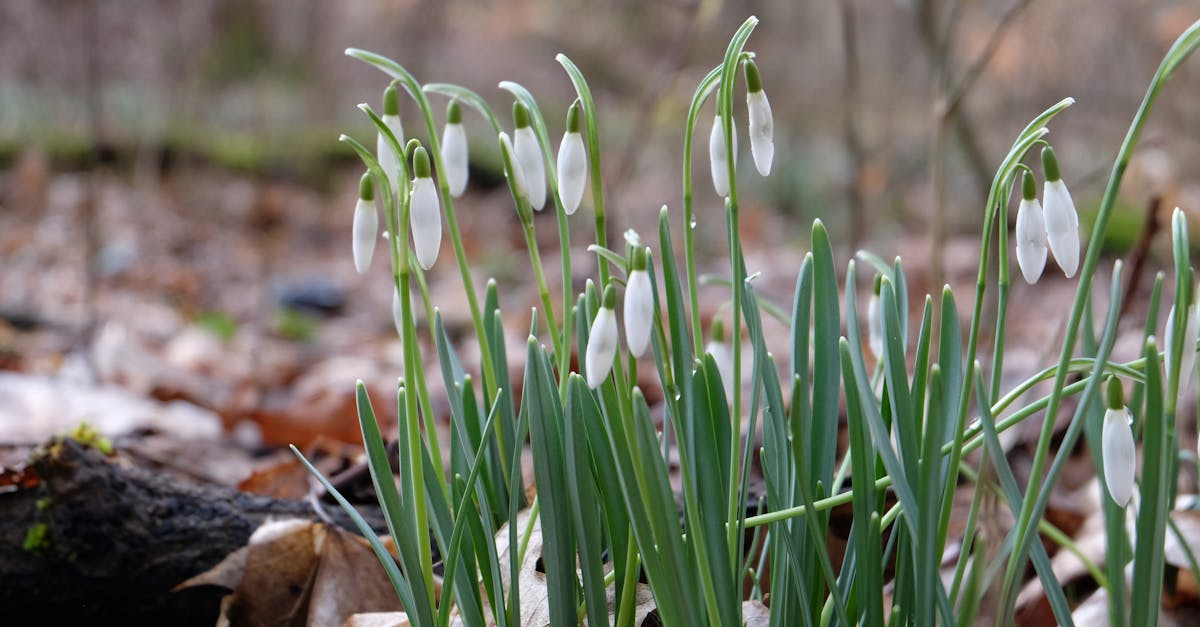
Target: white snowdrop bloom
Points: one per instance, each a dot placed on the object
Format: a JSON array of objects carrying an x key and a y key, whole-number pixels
[
  {"x": 875, "y": 322},
  {"x": 1187, "y": 361},
  {"x": 717, "y": 156},
  {"x": 572, "y": 163},
  {"x": 1062, "y": 221},
  {"x": 639, "y": 305},
  {"x": 1117, "y": 450},
  {"x": 722, "y": 353},
  {"x": 425, "y": 216},
  {"x": 762, "y": 123},
  {"x": 455, "y": 156},
  {"x": 397, "y": 312},
  {"x": 1030, "y": 232},
  {"x": 366, "y": 224},
  {"x": 529, "y": 157},
  {"x": 518, "y": 176},
  {"x": 389, "y": 161},
  {"x": 602, "y": 340}
]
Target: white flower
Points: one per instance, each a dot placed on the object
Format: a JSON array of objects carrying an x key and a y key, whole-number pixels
[
  {"x": 875, "y": 325},
  {"x": 1187, "y": 362},
  {"x": 572, "y": 163},
  {"x": 762, "y": 123},
  {"x": 366, "y": 224},
  {"x": 518, "y": 177},
  {"x": 424, "y": 212},
  {"x": 1117, "y": 453},
  {"x": 455, "y": 155},
  {"x": 529, "y": 157},
  {"x": 389, "y": 161},
  {"x": 1062, "y": 221},
  {"x": 602, "y": 341},
  {"x": 1030, "y": 233},
  {"x": 639, "y": 306},
  {"x": 717, "y": 157}
]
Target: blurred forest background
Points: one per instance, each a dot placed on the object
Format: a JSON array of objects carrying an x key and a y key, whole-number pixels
[{"x": 175, "y": 209}]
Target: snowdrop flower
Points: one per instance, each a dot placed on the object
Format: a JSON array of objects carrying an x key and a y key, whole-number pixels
[
  {"x": 1116, "y": 446},
  {"x": 639, "y": 305},
  {"x": 722, "y": 353},
  {"x": 1031, "y": 232},
  {"x": 1062, "y": 221},
  {"x": 529, "y": 157},
  {"x": 454, "y": 150},
  {"x": 366, "y": 224},
  {"x": 602, "y": 340},
  {"x": 875, "y": 321},
  {"x": 1187, "y": 361},
  {"x": 718, "y": 156},
  {"x": 424, "y": 211},
  {"x": 389, "y": 161},
  {"x": 572, "y": 163},
  {"x": 518, "y": 176},
  {"x": 762, "y": 124}
]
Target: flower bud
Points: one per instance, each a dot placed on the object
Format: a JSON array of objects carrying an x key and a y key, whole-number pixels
[
  {"x": 1062, "y": 221},
  {"x": 718, "y": 156},
  {"x": 762, "y": 123},
  {"x": 455, "y": 156},
  {"x": 1187, "y": 360},
  {"x": 639, "y": 305},
  {"x": 875, "y": 321},
  {"x": 518, "y": 176},
  {"x": 389, "y": 161},
  {"x": 722, "y": 353},
  {"x": 425, "y": 216},
  {"x": 1116, "y": 446},
  {"x": 366, "y": 224},
  {"x": 529, "y": 157},
  {"x": 1030, "y": 232},
  {"x": 572, "y": 163},
  {"x": 602, "y": 340}
]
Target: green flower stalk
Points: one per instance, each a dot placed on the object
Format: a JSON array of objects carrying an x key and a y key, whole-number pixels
[
  {"x": 1117, "y": 447},
  {"x": 572, "y": 163},
  {"x": 366, "y": 224},
  {"x": 455, "y": 154},
  {"x": 762, "y": 123}
]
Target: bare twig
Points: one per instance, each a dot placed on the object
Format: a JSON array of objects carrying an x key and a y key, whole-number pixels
[{"x": 1141, "y": 250}]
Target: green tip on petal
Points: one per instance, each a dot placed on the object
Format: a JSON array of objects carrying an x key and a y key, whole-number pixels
[
  {"x": 573, "y": 118},
  {"x": 391, "y": 100},
  {"x": 366, "y": 187},
  {"x": 1114, "y": 393},
  {"x": 717, "y": 332},
  {"x": 877, "y": 285},
  {"x": 753, "y": 80},
  {"x": 1028, "y": 186},
  {"x": 421, "y": 167},
  {"x": 609, "y": 301},
  {"x": 520, "y": 115},
  {"x": 638, "y": 260},
  {"x": 1050, "y": 165},
  {"x": 453, "y": 113}
]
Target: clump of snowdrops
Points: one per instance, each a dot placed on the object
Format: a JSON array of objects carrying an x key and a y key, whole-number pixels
[{"x": 608, "y": 510}]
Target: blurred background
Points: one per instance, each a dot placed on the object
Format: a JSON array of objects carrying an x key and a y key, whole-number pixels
[{"x": 175, "y": 208}]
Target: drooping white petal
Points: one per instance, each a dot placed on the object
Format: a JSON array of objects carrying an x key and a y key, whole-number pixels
[
  {"x": 639, "y": 312},
  {"x": 529, "y": 159},
  {"x": 1031, "y": 240},
  {"x": 1187, "y": 362},
  {"x": 602, "y": 347},
  {"x": 718, "y": 157},
  {"x": 1062, "y": 226},
  {"x": 366, "y": 229},
  {"x": 518, "y": 173},
  {"x": 875, "y": 326},
  {"x": 455, "y": 157},
  {"x": 426, "y": 221},
  {"x": 1118, "y": 455},
  {"x": 388, "y": 160},
  {"x": 572, "y": 171},
  {"x": 397, "y": 312},
  {"x": 762, "y": 131},
  {"x": 722, "y": 353}
]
